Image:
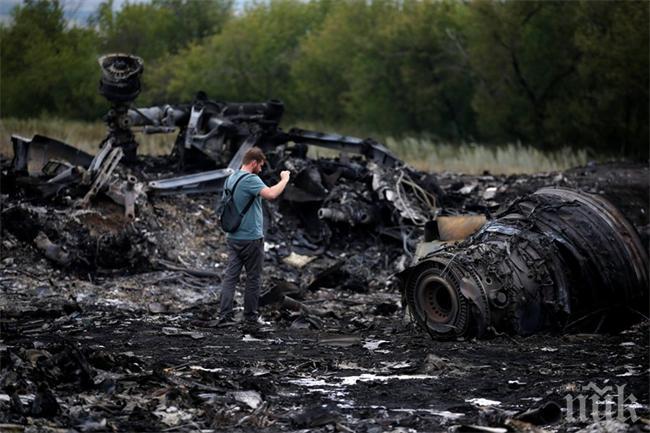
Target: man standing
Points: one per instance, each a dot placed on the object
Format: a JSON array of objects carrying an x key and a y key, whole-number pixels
[{"x": 246, "y": 244}]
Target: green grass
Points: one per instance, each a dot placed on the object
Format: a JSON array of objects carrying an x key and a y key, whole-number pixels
[
  {"x": 84, "y": 135},
  {"x": 427, "y": 154},
  {"x": 422, "y": 153},
  {"x": 473, "y": 158}
]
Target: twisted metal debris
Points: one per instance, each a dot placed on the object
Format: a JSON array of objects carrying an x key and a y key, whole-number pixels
[{"x": 555, "y": 259}]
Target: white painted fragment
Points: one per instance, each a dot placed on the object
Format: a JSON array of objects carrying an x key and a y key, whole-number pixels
[
  {"x": 309, "y": 382},
  {"x": 483, "y": 402},
  {"x": 397, "y": 365},
  {"x": 366, "y": 377},
  {"x": 348, "y": 366},
  {"x": 441, "y": 413},
  {"x": 483, "y": 428},
  {"x": 489, "y": 193},
  {"x": 211, "y": 370},
  {"x": 250, "y": 398},
  {"x": 468, "y": 189},
  {"x": 297, "y": 260},
  {"x": 374, "y": 344}
]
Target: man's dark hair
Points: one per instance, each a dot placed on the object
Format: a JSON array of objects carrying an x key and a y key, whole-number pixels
[{"x": 253, "y": 154}]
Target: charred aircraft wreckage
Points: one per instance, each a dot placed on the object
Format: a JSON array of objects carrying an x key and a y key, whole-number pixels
[{"x": 546, "y": 262}]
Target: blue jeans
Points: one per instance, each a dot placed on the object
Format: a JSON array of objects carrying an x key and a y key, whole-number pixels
[{"x": 249, "y": 255}]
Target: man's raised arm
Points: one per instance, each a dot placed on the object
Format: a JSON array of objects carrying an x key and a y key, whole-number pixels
[{"x": 273, "y": 192}]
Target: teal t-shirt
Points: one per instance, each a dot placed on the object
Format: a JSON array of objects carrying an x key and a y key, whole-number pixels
[{"x": 252, "y": 224}]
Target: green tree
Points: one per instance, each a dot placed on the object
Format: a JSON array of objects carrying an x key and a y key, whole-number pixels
[
  {"x": 523, "y": 58},
  {"x": 611, "y": 109},
  {"x": 389, "y": 66},
  {"x": 152, "y": 30},
  {"x": 46, "y": 67},
  {"x": 340, "y": 65},
  {"x": 138, "y": 28},
  {"x": 249, "y": 60},
  {"x": 194, "y": 20}
]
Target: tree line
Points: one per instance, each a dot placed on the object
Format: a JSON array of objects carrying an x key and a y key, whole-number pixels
[{"x": 546, "y": 73}]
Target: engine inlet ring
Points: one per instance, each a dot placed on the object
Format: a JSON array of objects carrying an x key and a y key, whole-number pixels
[{"x": 437, "y": 299}]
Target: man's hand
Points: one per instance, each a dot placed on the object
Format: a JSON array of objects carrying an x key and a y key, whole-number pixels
[{"x": 284, "y": 175}]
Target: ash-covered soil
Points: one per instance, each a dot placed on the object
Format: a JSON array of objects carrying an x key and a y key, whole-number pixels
[{"x": 88, "y": 348}]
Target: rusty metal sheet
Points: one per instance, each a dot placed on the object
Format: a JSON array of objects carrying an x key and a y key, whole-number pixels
[{"x": 457, "y": 227}]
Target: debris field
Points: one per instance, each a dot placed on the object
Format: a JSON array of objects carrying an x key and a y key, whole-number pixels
[
  {"x": 126, "y": 341},
  {"x": 393, "y": 300}
]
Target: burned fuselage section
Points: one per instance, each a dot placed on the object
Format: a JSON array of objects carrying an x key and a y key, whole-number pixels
[{"x": 553, "y": 260}]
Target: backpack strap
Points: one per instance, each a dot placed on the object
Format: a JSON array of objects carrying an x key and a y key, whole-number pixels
[
  {"x": 252, "y": 199},
  {"x": 248, "y": 205},
  {"x": 232, "y": 190}
]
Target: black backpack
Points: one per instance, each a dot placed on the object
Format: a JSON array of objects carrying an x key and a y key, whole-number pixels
[{"x": 229, "y": 218}]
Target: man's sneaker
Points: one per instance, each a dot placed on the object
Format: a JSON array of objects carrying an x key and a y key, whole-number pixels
[
  {"x": 255, "y": 323},
  {"x": 225, "y": 322}
]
